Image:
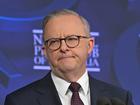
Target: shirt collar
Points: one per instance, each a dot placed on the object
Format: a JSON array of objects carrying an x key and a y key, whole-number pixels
[
  {"x": 62, "y": 85},
  {"x": 84, "y": 82}
]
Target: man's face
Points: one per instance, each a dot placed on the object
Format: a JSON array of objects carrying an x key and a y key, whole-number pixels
[{"x": 65, "y": 59}]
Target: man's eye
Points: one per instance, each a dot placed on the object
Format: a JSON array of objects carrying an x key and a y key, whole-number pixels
[
  {"x": 72, "y": 39},
  {"x": 53, "y": 42}
]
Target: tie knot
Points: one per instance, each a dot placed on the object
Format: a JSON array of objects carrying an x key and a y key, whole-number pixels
[{"x": 74, "y": 87}]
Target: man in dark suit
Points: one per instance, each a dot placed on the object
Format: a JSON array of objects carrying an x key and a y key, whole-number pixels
[{"x": 67, "y": 44}]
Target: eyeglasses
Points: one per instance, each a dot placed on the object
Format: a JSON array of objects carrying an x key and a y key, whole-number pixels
[{"x": 71, "y": 42}]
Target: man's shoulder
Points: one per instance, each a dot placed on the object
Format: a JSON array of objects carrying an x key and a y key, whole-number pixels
[
  {"x": 100, "y": 89},
  {"x": 25, "y": 90},
  {"x": 108, "y": 89},
  {"x": 30, "y": 89},
  {"x": 30, "y": 94}
]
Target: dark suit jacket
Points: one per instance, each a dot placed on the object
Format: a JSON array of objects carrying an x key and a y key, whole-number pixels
[{"x": 43, "y": 92}]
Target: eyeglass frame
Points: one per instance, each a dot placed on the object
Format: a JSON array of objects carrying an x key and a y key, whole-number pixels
[{"x": 60, "y": 41}]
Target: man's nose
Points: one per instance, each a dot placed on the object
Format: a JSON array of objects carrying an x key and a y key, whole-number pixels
[{"x": 63, "y": 46}]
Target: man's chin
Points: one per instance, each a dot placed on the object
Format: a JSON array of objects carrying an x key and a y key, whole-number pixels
[{"x": 67, "y": 68}]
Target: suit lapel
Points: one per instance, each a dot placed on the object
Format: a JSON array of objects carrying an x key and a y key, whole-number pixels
[
  {"x": 97, "y": 89},
  {"x": 47, "y": 93}
]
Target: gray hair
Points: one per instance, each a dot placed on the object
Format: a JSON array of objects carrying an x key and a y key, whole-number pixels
[{"x": 66, "y": 12}]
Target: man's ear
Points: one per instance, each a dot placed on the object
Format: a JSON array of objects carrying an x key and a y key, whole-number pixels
[{"x": 91, "y": 45}]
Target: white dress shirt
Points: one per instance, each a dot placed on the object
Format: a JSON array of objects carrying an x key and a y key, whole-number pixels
[{"x": 65, "y": 94}]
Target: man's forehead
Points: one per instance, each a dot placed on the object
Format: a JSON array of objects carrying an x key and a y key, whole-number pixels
[{"x": 64, "y": 25}]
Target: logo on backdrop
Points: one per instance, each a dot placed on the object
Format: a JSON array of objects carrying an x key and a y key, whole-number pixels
[{"x": 40, "y": 62}]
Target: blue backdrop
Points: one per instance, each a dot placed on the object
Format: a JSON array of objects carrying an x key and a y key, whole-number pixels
[{"x": 114, "y": 24}]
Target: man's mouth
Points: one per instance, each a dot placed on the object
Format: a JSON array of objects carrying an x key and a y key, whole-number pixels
[{"x": 65, "y": 57}]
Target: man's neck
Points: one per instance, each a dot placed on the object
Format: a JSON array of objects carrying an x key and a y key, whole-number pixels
[{"x": 70, "y": 76}]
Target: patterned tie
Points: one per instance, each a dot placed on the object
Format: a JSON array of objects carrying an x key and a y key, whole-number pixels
[{"x": 75, "y": 100}]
